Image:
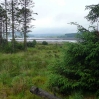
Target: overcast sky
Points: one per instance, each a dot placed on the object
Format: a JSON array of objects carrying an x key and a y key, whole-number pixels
[{"x": 54, "y": 15}]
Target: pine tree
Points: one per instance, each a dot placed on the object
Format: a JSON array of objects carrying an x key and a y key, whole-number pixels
[
  {"x": 25, "y": 17},
  {"x": 12, "y": 10}
]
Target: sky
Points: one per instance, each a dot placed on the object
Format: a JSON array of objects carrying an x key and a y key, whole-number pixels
[{"x": 54, "y": 15}]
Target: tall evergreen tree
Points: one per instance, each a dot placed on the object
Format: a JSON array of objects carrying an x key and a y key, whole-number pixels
[
  {"x": 19, "y": 14},
  {"x": 13, "y": 6},
  {"x": 25, "y": 17}
]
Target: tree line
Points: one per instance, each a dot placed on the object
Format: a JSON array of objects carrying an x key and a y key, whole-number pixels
[{"x": 15, "y": 16}]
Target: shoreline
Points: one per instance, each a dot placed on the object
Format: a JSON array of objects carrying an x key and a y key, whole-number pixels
[
  {"x": 46, "y": 39},
  {"x": 49, "y": 40}
]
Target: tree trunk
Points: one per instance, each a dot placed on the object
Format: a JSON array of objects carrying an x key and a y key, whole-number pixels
[
  {"x": 25, "y": 28},
  {"x": 12, "y": 27},
  {"x": 0, "y": 31},
  {"x": 6, "y": 20},
  {"x": 42, "y": 93}
]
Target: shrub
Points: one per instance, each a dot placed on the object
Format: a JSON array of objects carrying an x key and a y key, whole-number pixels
[
  {"x": 34, "y": 42},
  {"x": 7, "y": 46},
  {"x": 79, "y": 69},
  {"x": 18, "y": 46},
  {"x": 45, "y": 43},
  {"x": 31, "y": 44}
]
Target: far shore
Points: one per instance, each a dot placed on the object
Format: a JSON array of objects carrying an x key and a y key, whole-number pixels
[
  {"x": 49, "y": 40},
  {"x": 45, "y": 38}
]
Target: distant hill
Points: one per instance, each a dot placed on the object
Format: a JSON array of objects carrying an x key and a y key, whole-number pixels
[
  {"x": 52, "y": 35},
  {"x": 69, "y": 35},
  {"x": 45, "y": 35}
]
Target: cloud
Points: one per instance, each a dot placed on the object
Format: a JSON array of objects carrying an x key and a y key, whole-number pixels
[
  {"x": 60, "y": 2},
  {"x": 44, "y": 22},
  {"x": 55, "y": 14}
]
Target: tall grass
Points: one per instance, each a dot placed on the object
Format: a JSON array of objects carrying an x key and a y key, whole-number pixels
[{"x": 20, "y": 71}]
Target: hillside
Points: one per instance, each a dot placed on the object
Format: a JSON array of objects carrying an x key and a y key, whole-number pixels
[{"x": 51, "y": 35}]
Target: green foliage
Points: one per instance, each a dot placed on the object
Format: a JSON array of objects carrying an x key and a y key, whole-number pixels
[
  {"x": 7, "y": 46},
  {"x": 76, "y": 95},
  {"x": 79, "y": 68},
  {"x": 34, "y": 42},
  {"x": 31, "y": 44},
  {"x": 18, "y": 46},
  {"x": 45, "y": 43},
  {"x": 93, "y": 13},
  {"x": 22, "y": 70}
]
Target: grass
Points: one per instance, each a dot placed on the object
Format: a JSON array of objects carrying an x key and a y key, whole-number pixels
[{"x": 20, "y": 71}]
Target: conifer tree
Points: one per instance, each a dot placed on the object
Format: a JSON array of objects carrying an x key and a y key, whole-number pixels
[{"x": 25, "y": 17}]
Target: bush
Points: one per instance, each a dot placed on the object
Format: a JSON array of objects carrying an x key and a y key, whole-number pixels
[
  {"x": 34, "y": 42},
  {"x": 79, "y": 69},
  {"x": 31, "y": 44},
  {"x": 19, "y": 46},
  {"x": 45, "y": 43},
  {"x": 7, "y": 46}
]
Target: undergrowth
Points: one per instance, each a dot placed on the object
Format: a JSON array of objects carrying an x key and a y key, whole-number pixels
[{"x": 20, "y": 71}]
